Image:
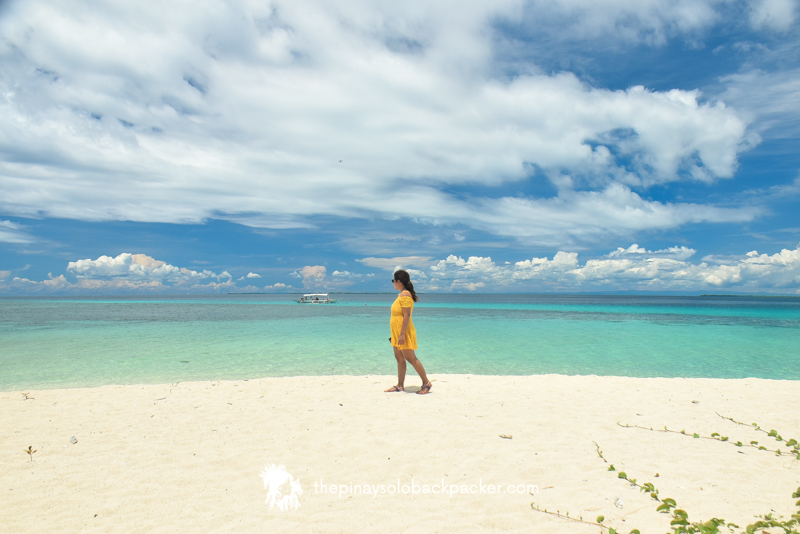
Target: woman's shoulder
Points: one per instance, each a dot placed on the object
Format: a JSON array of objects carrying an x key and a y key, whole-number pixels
[{"x": 406, "y": 298}]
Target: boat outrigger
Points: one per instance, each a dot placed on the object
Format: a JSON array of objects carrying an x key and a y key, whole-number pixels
[{"x": 316, "y": 298}]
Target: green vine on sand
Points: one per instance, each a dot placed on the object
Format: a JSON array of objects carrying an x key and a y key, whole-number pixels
[
  {"x": 791, "y": 443},
  {"x": 597, "y": 523},
  {"x": 680, "y": 518},
  {"x": 716, "y": 436}
]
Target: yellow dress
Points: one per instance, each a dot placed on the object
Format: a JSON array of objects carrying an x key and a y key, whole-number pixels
[{"x": 396, "y": 323}]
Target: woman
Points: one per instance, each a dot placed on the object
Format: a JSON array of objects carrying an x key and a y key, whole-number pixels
[{"x": 404, "y": 337}]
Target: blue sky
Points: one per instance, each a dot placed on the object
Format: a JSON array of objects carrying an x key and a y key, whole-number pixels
[{"x": 511, "y": 146}]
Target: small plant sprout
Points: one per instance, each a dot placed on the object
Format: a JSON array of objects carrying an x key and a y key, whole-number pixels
[
  {"x": 30, "y": 450},
  {"x": 27, "y": 396}
]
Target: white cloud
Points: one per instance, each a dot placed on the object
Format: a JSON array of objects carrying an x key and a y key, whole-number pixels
[
  {"x": 238, "y": 111},
  {"x": 390, "y": 264},
  {"x": 631, "y": 268},
  {"x": 776, "y": 15},
  {"x": 346, "y": 274},
  {"x": 313, "y": 276},
  {"x": 10, "y": 232},
  {"x": 679, "y": 253},
  {"x": 634, "y": 268},
  {"x": 216, "y": 286},
  {"x": 278, "y": 285},
  {"x": 628, "y": 21},
  {"x": 573, "y": 218},
  {"x": 250, "y": 275},
  {"x": 137, "y": 267},
  {"x": 769, "y": 99}
]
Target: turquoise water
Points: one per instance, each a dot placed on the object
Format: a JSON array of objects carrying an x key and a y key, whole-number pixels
[{"x": 72, "y": 342}]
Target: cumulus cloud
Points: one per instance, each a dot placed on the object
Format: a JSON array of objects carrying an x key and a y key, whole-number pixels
[
  {"x": 249, "y": 276},
  {"x": 313, "y": 275},
  {"x": 679, "y": 253},
  {"x": 123, "y": 273},
  {"x": 277, "y": 285},
  {"x": 631, "y": 268},
  {"x": 138, "y": 267},
  {"x": 255, "y": 105}
]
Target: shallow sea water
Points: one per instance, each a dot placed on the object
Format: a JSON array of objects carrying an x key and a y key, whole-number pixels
[{"x": 76, "y": 342}]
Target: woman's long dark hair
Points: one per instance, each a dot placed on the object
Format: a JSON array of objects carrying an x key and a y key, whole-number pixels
[{"x": 403, "y": 277}]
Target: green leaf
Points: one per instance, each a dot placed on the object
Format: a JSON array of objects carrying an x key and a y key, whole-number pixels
[
  {"x": 772, "y": 433},
  {"x": 600, "y": 518},
  {"x": 791, "y": 442},
  {"x": 683, "y": 431},
  {"x": 715, "y": 435},
  {"x": 663, "y": 508},
  {"x": 696, "y": 435},
  {"x": 612, "y": 468},
  {"x": 724, "y": 438},
  {"x": 679, "y": 521},
  {"x": 671, "y": 502},
  {"x": 680, "y": 513},
  {"x": 622, "y": 475},
  {"x": 753, "y": 443},
  {"x": 762, "y": 448},
  {"x": 739, "y": 444},
  {"x": 635, "y": 531},
  {"x": 612, "y": 531}
]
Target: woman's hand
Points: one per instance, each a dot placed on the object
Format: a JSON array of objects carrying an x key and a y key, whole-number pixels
[{"x": 401, "y": 339}]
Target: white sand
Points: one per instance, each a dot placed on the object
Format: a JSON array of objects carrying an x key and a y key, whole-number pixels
[{"x": 187, "y": 457}]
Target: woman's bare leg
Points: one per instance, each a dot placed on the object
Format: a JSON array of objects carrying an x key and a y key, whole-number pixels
[
  {"x": 401, "y": 368},
  {"x": 414, "y": 361}
]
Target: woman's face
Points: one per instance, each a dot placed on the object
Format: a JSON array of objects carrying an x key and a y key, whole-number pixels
[{"x": 398, "y": 285}]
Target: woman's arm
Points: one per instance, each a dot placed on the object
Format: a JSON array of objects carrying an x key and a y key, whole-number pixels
[{"x": 401, "y": 339}]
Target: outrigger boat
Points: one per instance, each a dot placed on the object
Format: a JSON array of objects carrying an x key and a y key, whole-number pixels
[{"x": 316, "y": 298}]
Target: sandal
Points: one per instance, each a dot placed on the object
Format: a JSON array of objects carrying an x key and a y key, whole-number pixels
[
  {"x": 424, "y": 390},
  {"x": 393, "y": 389}
]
